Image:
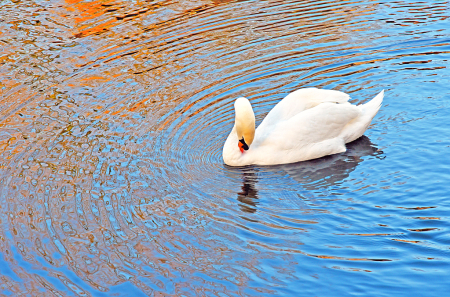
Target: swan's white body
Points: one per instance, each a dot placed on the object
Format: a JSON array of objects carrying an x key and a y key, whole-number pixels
[{"x": 307, "y": 124}]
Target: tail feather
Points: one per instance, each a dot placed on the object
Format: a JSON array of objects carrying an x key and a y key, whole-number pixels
[
  {"x": 371, "y": 108},
  {"x": 357, "y": 128}
]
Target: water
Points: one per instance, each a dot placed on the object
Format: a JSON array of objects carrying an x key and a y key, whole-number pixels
[{"x": 114, "y": 113}]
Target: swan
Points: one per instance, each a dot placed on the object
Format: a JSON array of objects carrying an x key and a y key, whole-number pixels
[{"x": 307, "y": 124}]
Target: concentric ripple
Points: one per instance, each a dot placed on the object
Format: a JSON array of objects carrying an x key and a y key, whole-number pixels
[{"x": 112, "y": 122}]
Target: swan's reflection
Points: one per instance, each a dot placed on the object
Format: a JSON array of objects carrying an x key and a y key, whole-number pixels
[
  {"x": 312, "y": 175},
  {"x": 249, "y": 195}
]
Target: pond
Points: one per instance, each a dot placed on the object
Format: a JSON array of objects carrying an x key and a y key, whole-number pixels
[{"x": 112, "y": 120}]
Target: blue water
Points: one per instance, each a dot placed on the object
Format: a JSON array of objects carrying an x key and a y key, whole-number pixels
[{"x": 112, "y": 120}]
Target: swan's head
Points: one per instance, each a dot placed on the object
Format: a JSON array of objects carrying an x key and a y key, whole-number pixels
[{"x": 244, "y": 122}]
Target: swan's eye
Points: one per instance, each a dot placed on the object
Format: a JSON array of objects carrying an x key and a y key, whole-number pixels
[{"x": 242, "y": 145}]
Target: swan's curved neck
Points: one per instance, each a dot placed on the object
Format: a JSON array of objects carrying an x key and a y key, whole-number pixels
[{"x": 244, "y": 120}]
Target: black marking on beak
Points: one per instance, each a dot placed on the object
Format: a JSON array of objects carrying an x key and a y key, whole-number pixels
[{"x": 244, "y": 145}]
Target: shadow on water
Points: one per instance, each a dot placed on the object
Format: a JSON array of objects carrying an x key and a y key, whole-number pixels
[{"x": 312, "y": 175}]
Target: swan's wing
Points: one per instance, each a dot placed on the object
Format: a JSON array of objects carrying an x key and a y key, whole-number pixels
[
  {"x": 301, "y": 100},
  {"x": 313, "y": 133}
]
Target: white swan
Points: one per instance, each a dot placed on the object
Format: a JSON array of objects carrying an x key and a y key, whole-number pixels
[{"x": 307, "y": 124}]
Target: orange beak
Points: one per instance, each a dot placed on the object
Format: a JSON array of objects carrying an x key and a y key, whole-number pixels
[{"x": 241, "y": 146}]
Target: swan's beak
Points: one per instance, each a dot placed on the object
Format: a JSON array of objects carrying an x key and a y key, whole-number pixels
[{"x": 242, "y": 145}]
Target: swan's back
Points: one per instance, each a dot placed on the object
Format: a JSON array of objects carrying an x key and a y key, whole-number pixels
[{"x": 301, "y": 100}]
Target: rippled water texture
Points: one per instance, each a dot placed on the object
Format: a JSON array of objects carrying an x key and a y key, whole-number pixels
[{"x": 114, "y": 113}]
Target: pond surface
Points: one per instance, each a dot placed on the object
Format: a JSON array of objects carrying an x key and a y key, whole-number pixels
[{"x": 112, "y": 120}]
